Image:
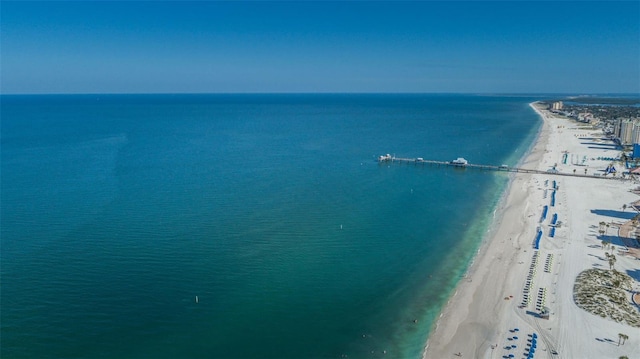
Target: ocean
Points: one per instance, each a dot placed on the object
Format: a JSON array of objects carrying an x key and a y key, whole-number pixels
[{"x": 242, "y": 226}]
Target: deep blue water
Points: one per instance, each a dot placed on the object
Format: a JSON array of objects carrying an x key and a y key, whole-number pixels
[{"x": 118, "y": 210}]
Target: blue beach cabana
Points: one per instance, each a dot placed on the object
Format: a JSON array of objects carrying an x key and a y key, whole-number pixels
[{"x": 536, "y": 242}]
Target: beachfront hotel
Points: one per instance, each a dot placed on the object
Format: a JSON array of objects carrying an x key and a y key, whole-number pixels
[{"x": 627, "y": 131}]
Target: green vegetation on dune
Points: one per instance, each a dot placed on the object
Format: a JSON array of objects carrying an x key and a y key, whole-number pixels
[{"x": 606, "y": 293}]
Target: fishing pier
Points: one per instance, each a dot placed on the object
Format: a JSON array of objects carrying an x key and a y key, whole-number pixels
[{"x": 462, "y": 163}]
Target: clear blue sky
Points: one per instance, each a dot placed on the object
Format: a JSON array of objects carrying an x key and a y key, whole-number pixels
[{"x": 206, "y": 46}]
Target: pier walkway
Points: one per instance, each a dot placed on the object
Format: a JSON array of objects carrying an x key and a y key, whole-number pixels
[{"x": 503, "y": 168}]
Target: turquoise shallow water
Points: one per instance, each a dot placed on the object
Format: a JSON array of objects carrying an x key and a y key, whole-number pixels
[{"x": 118, "y": 210}]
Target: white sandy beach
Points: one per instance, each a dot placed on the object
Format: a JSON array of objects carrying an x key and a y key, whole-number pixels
[{"x": 481, "y": 317}]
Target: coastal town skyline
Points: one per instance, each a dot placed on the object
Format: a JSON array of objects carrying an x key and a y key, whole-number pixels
[{"x": 309, "y": 47}]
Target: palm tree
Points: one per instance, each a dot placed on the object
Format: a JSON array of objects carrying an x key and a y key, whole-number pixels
[
  {"x": 612, "y": 260},
  {"x": 619, "y": 338},
  {"x": 601, "y": 228},
  {"x": 607, "y": 231},
  {"x": 624, "y": 207},
  {"x": 604, "y": 243}
]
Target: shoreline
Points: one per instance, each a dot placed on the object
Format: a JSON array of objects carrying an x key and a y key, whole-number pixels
[
  {"x": 484, "y": 254},
  {"x": 492, "y": 302}
]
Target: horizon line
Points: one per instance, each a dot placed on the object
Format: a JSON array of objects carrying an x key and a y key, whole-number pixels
[{"x": 319, "y": 93}]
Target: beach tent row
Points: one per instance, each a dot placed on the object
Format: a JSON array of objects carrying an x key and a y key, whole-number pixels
[
  {"x": 531, "y": 346},
  {"x": 544, "y": 213},
  {"x": 554, "y": 220},
  {"x": 536, "y": 243}
]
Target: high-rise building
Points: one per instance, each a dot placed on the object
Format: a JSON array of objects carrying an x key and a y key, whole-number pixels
[
  {"x": 636, "y": 133},
  {"x": 616, "y": 128},
  {"x": 557, "y": 106},
  {"x": 626, "y": 132}
]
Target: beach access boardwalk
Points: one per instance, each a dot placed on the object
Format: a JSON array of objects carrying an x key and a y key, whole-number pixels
[{"x": 503, "y": 168}]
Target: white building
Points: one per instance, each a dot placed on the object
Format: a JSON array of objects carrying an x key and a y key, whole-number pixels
[
  {"x": 557, "y": 106},
  {"x": 626, "y": 132},
  {"x": 616, "y": 128},
  {"x": 636, "y": 134},
  {"x": 585, "y": 117}
]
